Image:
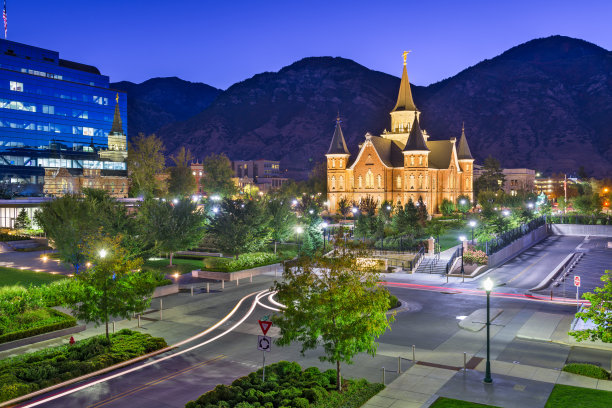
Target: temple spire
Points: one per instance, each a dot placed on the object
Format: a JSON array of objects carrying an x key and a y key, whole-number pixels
[
  {"x": 463, "y": 152},
  {"x": 117, "y": 127},
  {"x": 416, "y": 140},
  {"x": 404, "y": 97},
  {"x": 338, "y": 145}
]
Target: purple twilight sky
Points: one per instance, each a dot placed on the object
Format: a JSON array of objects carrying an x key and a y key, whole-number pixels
[{"x": 223, "y": 42}]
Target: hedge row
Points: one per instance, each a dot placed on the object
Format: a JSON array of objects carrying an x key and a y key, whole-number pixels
[
  {"x": 244, "y": 261},
  {"x": 58, "y": 321},
  {"x": 30, "y": 372},
  {"x": 588, "y": 370},
  {"x": 287, "y": 385}
]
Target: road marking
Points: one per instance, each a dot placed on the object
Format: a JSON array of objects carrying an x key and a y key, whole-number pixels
[
  {"x": 525, "y": 270},
  {"x": 154, "y": 382}
]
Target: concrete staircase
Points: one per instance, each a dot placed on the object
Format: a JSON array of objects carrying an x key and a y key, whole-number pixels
[{"x": 432, "y": 266}]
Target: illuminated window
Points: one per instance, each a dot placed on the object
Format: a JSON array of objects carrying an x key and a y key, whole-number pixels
[
  {"x": 16, "y": 86},
  {"x": 420, "y": 182},
  {"x": 369, "y": 179},
  {"x": 334, "y": 163},
  {"x": 341, "y": 163},
  {"x": 379, "y": 179},
  {"x": 399, "y": 181},
  {"x": 420, "y": 160},
  {"x": 412, "y": 181},
  {"x": 360, "y": 182},
  {"x": 333, "y": 182},
  {"x": 412, "y": 160},
  {"x": 341, "y": 183},
  {"x": 87, "y": 131}
]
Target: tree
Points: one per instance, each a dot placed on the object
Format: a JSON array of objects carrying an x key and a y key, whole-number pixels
[
  {"x": 463, "y": 204},
  {"x": 173, "y": 226},
  {"x": 334, "y": 302},
  {"x": 447, "y": 207},
  {"x": 114, "y": 286},
  {"x": 599, "y": 312},
  {"x": 23, "y": 222},
  {"x": 368, "y": 205},
  {"x": 422, "y": 211},
  {"x": 182, "y": 182},
  {"x": 344, "y": 206},
  {"x": 239, "y": 226},
  {"x": 218, "y": 174},
  {"x": 492, "y": 177},
  {"x": 282, "y": 219},
  {"x": 146, "y": 164},
  {"x": 405, "y": 221},
  {"x": 67, "y": 222}
]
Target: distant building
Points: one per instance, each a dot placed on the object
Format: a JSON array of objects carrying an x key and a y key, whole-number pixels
[
  {"x": 57, "y": 114},
  {"x": 197, "y": 169},
  {"x": 264, "y": 174},
  {"x": 519, "y": 180},
  {"x": 555, "y": 186},
  {"x": 60, "y": 181},
  {"x": 401, "y": 164}
]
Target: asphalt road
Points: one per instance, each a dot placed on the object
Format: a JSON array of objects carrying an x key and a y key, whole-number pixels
[{"x": 430, "y": 323}]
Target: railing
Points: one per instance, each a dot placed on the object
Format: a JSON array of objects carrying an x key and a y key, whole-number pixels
[
  {"x": 505, "y": 239},
  {"x": 580, "y": 219},
  {"x": 450, "y": 262},
  {"x": 417, "y": 259}
]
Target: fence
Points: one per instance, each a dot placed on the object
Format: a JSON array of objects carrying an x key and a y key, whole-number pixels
[
  {"x": 580, "y": 219},
  {"x": 505, "y": 239},
  {"x": 455, "y": 255}
]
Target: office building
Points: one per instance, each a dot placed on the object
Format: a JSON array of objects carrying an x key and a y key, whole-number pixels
[{"x": 61, "y": 127}]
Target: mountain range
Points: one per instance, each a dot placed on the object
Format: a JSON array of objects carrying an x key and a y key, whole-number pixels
[{"x": 545, "y": 105}]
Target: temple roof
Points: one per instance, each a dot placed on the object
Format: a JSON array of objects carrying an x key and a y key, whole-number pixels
[
  {"x": 404, "y": 97},
  {"x": 463, "y": 151},
  {"x": 416, "y": 141},
  {"x": 338, "y": 145},
  {"x": 117, "y": 125}
]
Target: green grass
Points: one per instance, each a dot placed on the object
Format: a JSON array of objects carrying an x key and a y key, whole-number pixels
[
  {"x": 453, "y": 403},
  {"x": 451, "y": 237},
  {"x": 588, "y": 370},
  {"x": 178, "y": 265},
  {"x": 577, "y": 397},
  {"x": 13, "y": 276}
]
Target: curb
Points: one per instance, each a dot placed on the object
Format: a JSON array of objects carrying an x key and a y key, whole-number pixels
[
  {"x": 549, "y": 278},
  {"x": 41, "y": 337}
]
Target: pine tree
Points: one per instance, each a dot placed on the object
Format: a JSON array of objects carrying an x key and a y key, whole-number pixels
[{"x": 23, "y": 222}]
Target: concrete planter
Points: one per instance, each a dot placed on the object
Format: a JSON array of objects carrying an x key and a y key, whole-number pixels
[
  {"x": 165, "y": 290},
  {"x": 232, "y": 276},
  {"x": 41, "y": 337}
]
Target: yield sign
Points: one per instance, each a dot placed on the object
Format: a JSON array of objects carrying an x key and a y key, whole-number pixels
[{"x": 265, "y": 326}]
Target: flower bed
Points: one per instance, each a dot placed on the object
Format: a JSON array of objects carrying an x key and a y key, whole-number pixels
[
  {"x": 287, "y": 385},
  {"x": 477, "y": 257},
  {"x": 33, "y": 322},
  {"x": 30, "y": 372}
]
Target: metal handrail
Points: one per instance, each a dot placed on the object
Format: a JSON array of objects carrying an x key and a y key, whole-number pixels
[{"x": 452, "y": 259}]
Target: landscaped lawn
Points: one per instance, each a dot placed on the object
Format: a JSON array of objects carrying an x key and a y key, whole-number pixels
[
  {"x": 12, "y": 276},
  {"x": 178, "y": 265},
  {"x": 453, "y": 403},
  {"x": 577, "y": 397},
  {"x": 450, "y": 238}
]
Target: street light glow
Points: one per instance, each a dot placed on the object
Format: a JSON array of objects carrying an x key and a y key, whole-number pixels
[
  {"x": 462, "y": 238},
  {"x": 294, "y": 202},
  {"x": 529, "y": 205},
  {"x": 462, "y": 201},
  {"x": 215, "y": 197},
  {"x": 299, "y": 230},
  {"x": 488, "y": 284},
  {"x": 324, "y": 225},
  {"x": 505, "y": 213},
  {"x": 388, "y": 207},
  {"x": 311, "y": 211},
  {"x": 354, "y": 210},
  {"x": 472, "y": 223},
  {"x": 102, "y": 253},
  {"x": 175, "y": 201},
  {"x": 215, "y": 210}
]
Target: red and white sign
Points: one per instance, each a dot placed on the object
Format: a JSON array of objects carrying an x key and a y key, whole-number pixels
[
  {"x": 577, "y": 281},
  {"x": 265, "y": 326}
]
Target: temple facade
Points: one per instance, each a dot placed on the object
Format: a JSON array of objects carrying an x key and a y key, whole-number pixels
[{"x": 401, "y": 164}]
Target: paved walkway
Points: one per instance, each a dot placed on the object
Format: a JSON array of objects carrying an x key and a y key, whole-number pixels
[{"x": 32, "y": 261}]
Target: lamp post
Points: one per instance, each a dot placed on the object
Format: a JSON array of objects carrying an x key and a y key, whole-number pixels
[
  {"x": 298, "y": 231},
  {"x": 488, "y": 285},
  {"x": 472, "y": 224},
  {"x": 324, "y": 225},
  {"x": 462, "y": 238}
]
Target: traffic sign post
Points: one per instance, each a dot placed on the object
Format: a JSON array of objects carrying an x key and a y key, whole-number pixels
[
  {"x": 265, "y": 326},
  {"x": 577, "y": 284},
  {"x": 264, "y": 344}
]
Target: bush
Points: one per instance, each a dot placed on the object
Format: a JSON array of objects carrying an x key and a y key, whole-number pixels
[
  {"x": 393, "y": 302},
  {"x": 34, "y": 322},
  {"x": 287, "y": 385},
  {"x": 588, "y": 370},
  {"x": 244, "y": 261},
  {"x": 33, "y": 371},
  {"x": 7, "y": 237},
  {"x": 472, "y": 256}
]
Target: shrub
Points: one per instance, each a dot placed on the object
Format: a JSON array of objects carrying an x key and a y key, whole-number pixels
[
  {"x": 34, "y": 322},
  {"x": 588, "y": 370},
  {"x": 475, "y": 257},
  {"x": 393, "y": 301},
  {"x": 244, "y": 261}
]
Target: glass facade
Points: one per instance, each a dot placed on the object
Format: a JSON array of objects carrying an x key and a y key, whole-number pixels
[{"x": 53, "y": 113}]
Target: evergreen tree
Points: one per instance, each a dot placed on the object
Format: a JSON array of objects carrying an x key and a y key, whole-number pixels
[
  {"x": 182, "y": 182},
  {"x": 218, "y": 174},
  {"x": 422, "y": 211},
  {"x": 23, "y": 222},
  {"x": 492, "y": 177}
]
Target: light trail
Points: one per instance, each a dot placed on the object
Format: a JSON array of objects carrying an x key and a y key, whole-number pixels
[{"x": 258, "y": 295}]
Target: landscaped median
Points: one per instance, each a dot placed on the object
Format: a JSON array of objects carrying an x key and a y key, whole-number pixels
[
  {"x": 33, "y": 322},
  {"x": 286, "y": 385},
  {"x": 31, "y": 372}
]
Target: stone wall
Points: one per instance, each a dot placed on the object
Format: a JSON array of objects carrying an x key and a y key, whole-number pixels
[
  {"x": 582, "y": 230},
  {"x": 518, "y": 246}
]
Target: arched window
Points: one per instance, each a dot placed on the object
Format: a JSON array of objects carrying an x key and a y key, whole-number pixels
[
  {"x": 341, "y": 186},
  {"x": 420, "y": 181},
  {"x": 412, "y": 181},
  {"x": 369, "y": 179},
  {"x": 334, "y": 163},
  {"x": 379, "y": 180},
  {"x": 360, "y": 182},
  {"x": 412, "y": 160},
  {"x": 420, "y": 160},
  {"x": 399, "y": 181},
  {"x": 341, "y": 163},
  {"x": 333, "y": 182}
]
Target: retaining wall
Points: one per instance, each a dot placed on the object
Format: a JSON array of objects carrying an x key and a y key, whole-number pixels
[
  {"x": 582, "y": 230},
  {"x": 232, "y": 276},
  {"x": 518, "y": 246},
  {"x": 165, "y": 290}
]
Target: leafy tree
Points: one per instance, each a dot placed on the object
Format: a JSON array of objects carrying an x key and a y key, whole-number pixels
[
  {"x": 492, "y": 177},
  {"x": 435, "y": 228},
  {"x": 447, "y": 207},
  {"x": 282, "y": 219},
  {"x": 367, "y": 205},
  {"x": 182, "y": 182},
  {"x": 173, "y": 226},
  {"x": 599, "y": 312},
  {"x": 22, "y": 221},
  {"x": 114, "y": 286},
  {"x": 344, "y": 206},
  {"x": 67, "y": 222},
  {"x": 239, "y": 226},
  {"x": 422, "y": 211},
  {"x": 218, "y": 174},
  {"x": 333, "y": 302},
  {"x": 146, "y": 164},
  {"x": 405, "y": 221},
  {"x": 587, "y": 204},
  {"x": 463, "y": 204}
]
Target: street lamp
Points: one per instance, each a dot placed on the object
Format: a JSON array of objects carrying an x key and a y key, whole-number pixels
[
  {"x": 311, "y": 211},
  {"x": 215, "y": 197},
  {"x": 175, "y": 201},
  {"x": 324, "y": 225},
  {"x": 298, "y": 231},
  {"x": 354, "y": 210},
  {"x": 215, "y": 209},
  {"x": 529, "y": 205},
  {"x": 488, "y": 285},
  {"x": 102, "y": 253},
  {"x": 472, "y": 224},
  {"x": 462, "y": 238},
  {"x": 294, "y": 202},
  {"x": 505, "y": 213}
]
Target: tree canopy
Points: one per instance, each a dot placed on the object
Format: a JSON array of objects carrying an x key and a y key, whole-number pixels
[
  {"x": 182, "y": 182},
  {"x": 218, "y": 174},
  {"x": 146, "y": 163},
  {"x": 599, "y": 312}
]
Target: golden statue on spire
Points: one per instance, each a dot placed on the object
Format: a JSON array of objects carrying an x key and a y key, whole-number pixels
[
  {"x": 405, "y": 54},
  {"x": 117, "y": 98}
]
